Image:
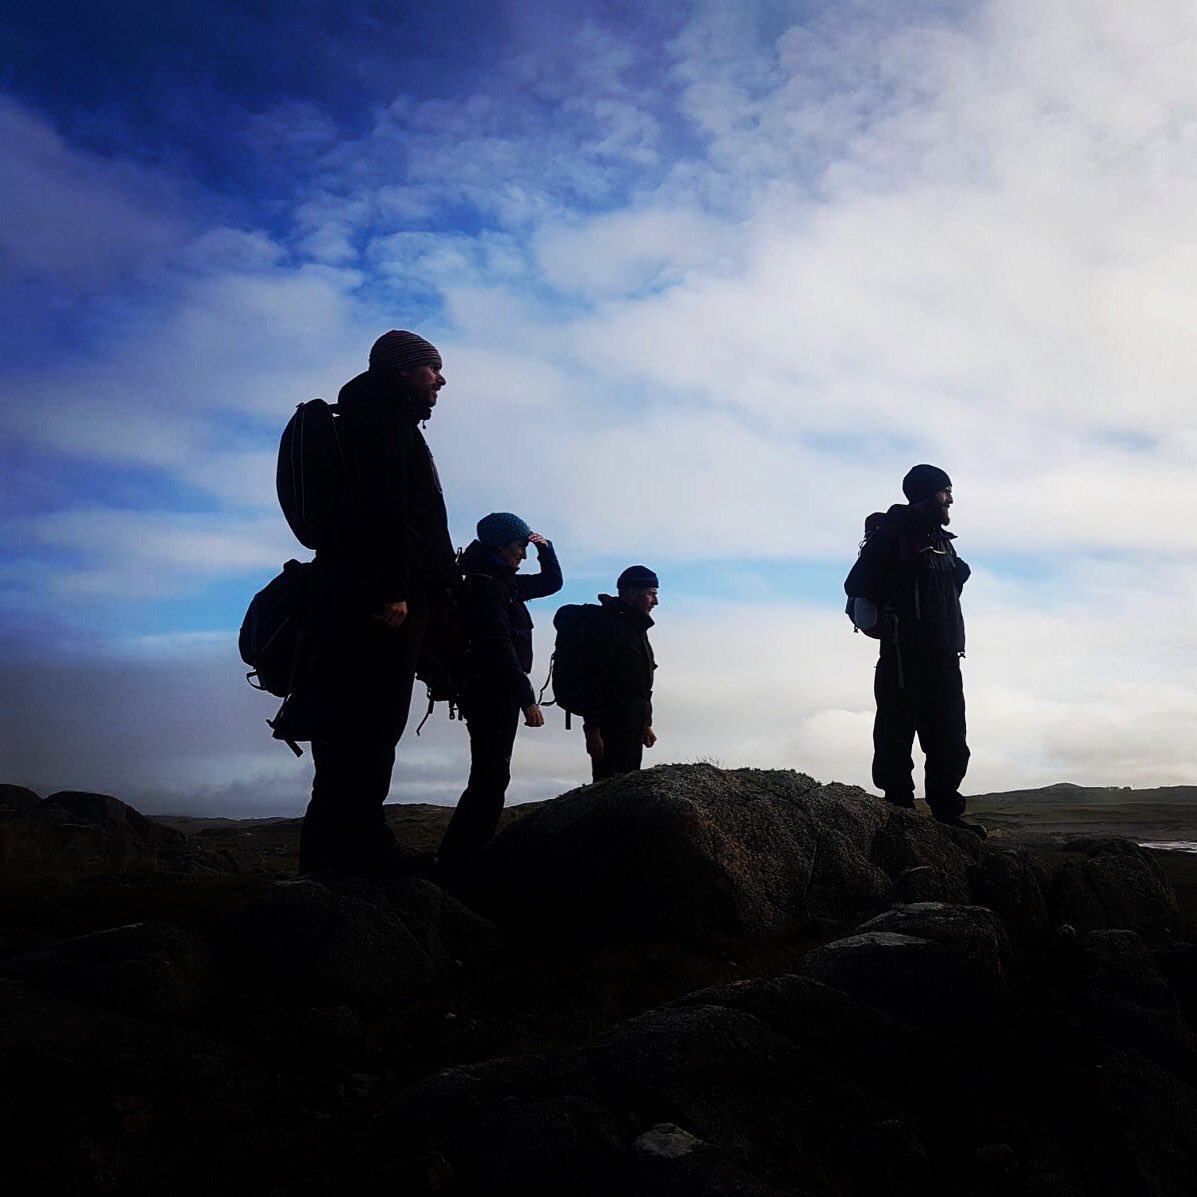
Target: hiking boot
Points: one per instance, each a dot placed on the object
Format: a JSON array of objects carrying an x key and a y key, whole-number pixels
[
  {"x": 961, "y": 825},
  {"x": 905, "y": 801}
]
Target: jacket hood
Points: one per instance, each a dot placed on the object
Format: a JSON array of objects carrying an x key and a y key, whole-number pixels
[
  {"x": 615, "y": 603},
  {"x": 478, "y": 559},
  {"x": 369, "y": 390}
]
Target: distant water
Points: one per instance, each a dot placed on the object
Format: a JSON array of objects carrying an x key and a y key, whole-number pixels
[{"x": 1171, "y": 845}]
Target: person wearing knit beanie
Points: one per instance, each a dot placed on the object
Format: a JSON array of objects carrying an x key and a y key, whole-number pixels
[
  {"x": 909, "y": 577},
  {"x": 496, "y": 627},
  {"x": 383, "y": 574},
  {"x": 619, "y": 727}
]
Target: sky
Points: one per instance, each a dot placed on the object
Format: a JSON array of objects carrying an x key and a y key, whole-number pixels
[{"x": 707, "y": 279}]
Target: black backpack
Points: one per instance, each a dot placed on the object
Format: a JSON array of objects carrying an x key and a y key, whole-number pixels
[
  {"x": 583, "y": 630},
  {"x": 441, "y": 664},
  {"x": 315, "y": 490},
  {"x": 276, "y": 639}
]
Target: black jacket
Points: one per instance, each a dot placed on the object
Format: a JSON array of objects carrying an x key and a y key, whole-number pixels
[
  {"x": 399, "y": 542},
  {"x": 497, "y": 625},
  {"x": 910, "y": 567},
  {"x": 621, "y": 666}
]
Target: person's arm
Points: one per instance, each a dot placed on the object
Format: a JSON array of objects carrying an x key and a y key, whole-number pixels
[
  {"x": 548, "y": 580},
  {"x": 491, "y": 641},
  {"x": 962, "y": 574}
]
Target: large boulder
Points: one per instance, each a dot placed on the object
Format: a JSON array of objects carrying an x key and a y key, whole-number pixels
[
  {"x": 1118, "y": 885},
  {"x": 940, "y": 967},
  {"x": 17, "y": 798},
  {"x": 367, "y": 942},
  {"x": 75, "y": 833},
  {"x": 146, "y": 970},
  {"x": 691, "y": 853}
]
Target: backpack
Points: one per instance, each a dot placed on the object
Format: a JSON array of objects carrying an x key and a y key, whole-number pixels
[
  {"x": 864, "y": 613},
  {"x": 580, "y": 628},
  {"x": 441, "y": 664},
  {"x": 313, "y": 479},
  {"x": 275, "y": 639}
]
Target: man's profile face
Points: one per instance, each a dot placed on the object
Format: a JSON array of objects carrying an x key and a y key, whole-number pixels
[
  {"x": 640, "y": 600},
  {"x": 941, "y": 501},
  {"x": 424, "y": 383}
]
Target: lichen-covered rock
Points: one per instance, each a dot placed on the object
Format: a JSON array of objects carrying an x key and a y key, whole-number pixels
[
  {"x": 1118, "y": 885},
  {"x": 17, "y": 797},
  {"x": 685, "y": 852},
  {"x": 145, "y": 970},
  {"x": 74, "y": 833},
  {"x": 1014, "y": 882},
  {"x": 375, "y": 942},
  {"x": 943, "y": 968}
]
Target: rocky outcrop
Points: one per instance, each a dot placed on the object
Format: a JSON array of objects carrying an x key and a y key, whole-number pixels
[
  {"x": 941, "y": 1015},
  {"x": 689, "y": 853},
  {"x": 149, "y": 970},
  {"x": 1118, "y": 885},
  {"x": 74, "y": 833},
  {"x": 369, "y": 942}
]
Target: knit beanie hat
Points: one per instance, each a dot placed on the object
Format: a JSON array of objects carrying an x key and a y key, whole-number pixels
[
  {"x": 401, "y": 350},
  {"x": 637, "y": 577},
  {"x": 501, "y": 527},
  {"x": 923, "y": 481}
]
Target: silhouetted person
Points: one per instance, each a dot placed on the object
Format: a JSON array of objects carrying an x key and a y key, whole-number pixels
[
  {"x": 909, "y": 569},
  {"x": 498, "y": 629},
  {"x": 376, "y": 580},
  {"x": 621, "y": 664}
]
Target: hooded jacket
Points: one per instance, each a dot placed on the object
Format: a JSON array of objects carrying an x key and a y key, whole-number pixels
[
  {"x": 497, "y": 624},
  {"x": 400, "y": 540},
  {"x": 910, "y": 568}
]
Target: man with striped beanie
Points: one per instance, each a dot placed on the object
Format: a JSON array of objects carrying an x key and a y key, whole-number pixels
[{"x": 380, "y": 578}]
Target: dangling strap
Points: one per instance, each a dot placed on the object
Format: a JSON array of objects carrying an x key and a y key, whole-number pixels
[
  {"x": 540, "y": 697},
  {"x": 431, "y": 704}
]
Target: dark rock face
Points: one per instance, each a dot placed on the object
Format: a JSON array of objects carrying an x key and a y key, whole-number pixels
[
  {"x": 17, "y": 798},
  {"x": 683, "y": 852},
  {"x": 977, "y": 1024},
  {"x": 943, "y": 968},
  {"x": 1119, "y": 885},
  {"x": 74, "y": 833},
  {"x": 147, "y": 970},
  {"x": 371, "y": 942}
]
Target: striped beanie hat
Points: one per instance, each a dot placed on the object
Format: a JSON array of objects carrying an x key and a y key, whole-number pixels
[{"x": 402, "y": 350}]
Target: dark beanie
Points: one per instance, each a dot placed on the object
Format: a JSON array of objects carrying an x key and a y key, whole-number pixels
[
  {"x": 637, "y": 577},
  {"x": 401, "y": 350},
  {"x": 923, "y": 481},
  {"x": 501, "y": 527}
]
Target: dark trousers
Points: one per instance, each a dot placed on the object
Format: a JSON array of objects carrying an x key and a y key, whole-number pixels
[
  {"x": 492, "y": 722},
  {"x": 363, "y": 692},
  {"x": 925, "y": 696},
  {"x": 623, "y": 741}
]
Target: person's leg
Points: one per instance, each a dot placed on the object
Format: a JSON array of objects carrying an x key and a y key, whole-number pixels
[
  {"x": 345, "y": 825},
  {"x": 893, "y": 730},
  {"x": 623, "y": 741},
  {"x": 941, "y": 728},
  {"x": 492, "y": 726}
]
